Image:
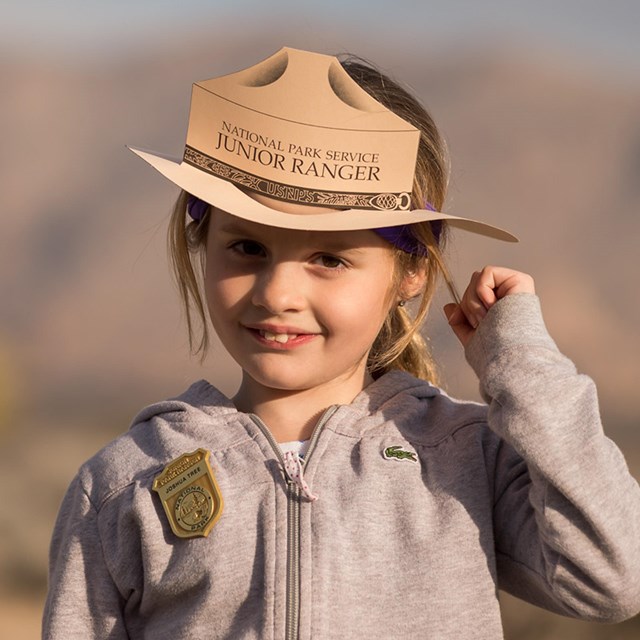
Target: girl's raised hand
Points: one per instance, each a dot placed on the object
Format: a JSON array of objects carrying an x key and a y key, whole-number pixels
[{"x": 485, "y": 289}]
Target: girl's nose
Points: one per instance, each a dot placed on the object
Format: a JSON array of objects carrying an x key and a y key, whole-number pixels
[{"x": 278, "y": 289}]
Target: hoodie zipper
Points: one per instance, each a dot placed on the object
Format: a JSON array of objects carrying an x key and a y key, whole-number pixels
[{"x": 292, "y": 631}]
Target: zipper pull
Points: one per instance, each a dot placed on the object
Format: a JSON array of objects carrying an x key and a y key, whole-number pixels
[{"x": 293, "y": 467}]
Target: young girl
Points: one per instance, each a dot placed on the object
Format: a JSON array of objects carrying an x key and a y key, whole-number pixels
[{"x": 340, "y": 493}]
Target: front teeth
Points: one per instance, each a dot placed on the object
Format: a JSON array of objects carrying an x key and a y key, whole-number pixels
[{"x": 278, "y": 337}]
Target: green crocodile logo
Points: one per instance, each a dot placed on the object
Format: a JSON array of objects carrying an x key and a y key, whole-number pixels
[{"x": 398, "y": 453}]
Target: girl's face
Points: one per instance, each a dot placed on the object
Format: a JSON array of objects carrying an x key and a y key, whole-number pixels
[{"x": 297, "y": 310}]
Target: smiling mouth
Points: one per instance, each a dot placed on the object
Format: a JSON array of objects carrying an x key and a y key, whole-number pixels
[{"x": 282, "y": 338}]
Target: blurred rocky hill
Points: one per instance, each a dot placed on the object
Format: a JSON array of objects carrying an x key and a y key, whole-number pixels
[{"x": 90, "y": 328}]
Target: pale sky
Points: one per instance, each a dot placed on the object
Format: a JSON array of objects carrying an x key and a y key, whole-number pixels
[{"x": 608, "y": 30}]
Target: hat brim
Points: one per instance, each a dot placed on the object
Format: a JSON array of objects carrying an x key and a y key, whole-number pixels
[{"x": 228, "y": 197}]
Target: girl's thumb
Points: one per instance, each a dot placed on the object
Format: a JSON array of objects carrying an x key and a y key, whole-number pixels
[
  {"x": 449, "y": 310},
  {"x": 458, "y": 322}
]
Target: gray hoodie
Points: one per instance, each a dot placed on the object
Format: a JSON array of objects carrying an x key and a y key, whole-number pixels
[{"x": 525, "y": 494}]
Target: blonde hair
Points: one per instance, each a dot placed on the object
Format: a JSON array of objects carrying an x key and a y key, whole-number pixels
[{"x": 399, "y": 344}]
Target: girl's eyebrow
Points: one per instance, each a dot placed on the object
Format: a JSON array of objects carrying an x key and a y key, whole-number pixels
[
  {"x": 325, "y": 241},
  {"x": 234, "y": 228},
  {"x": 336, "y": 244}
]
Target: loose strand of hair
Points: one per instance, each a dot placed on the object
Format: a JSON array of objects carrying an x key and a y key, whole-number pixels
[{"x": 184, "y": 244}]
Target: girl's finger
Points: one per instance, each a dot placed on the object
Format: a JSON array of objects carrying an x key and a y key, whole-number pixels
[
  {"x": 471, "y": 304},
  {"x": 495, "y": 283},
  {"x": 485, "y": 287},
  {"x": 459, "y": 323}
]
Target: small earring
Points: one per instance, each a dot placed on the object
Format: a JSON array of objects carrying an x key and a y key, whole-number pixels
[{"x": 401, "y": 303}]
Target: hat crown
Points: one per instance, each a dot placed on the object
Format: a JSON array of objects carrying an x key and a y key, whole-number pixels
[{"x": 301, "y": 86}]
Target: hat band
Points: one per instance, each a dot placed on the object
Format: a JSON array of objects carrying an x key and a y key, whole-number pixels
[{"x": 291, "y": 193}]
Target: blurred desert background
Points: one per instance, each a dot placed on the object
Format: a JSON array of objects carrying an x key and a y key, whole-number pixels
[{"x": 542, "y": 115}]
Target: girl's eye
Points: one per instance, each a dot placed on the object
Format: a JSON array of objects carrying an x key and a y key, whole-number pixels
[
  {"x": 331, "y": 262},
  {"x": 248, "y": 248}
]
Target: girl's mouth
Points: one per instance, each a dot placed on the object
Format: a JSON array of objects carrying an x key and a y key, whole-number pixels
[{"x": 282, "y": 338}]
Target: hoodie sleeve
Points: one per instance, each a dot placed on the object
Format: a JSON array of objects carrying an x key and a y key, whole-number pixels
[
  {"x": 566, "y": 509},
  {"x": 83, "y": 601}
]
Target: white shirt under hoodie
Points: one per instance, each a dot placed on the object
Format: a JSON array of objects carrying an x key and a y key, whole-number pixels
[{"x": 525, "y": 494}]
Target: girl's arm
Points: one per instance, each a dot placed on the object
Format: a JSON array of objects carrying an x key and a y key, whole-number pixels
[
  {"x": 82, "y": 601},
  {"x": 566, "y": 509}
]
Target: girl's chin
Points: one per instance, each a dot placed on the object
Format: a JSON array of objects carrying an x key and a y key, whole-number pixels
[{"x": 302, "y": 380}]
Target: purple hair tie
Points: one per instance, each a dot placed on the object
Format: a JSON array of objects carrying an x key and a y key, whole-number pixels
[
  {"x": 402, "y": 237},
  {"x": 399, "y": 236},
  {"x": 197, "y": 208}
]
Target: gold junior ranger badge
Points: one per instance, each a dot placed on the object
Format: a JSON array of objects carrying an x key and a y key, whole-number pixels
[{"x": 190, "y": 494}]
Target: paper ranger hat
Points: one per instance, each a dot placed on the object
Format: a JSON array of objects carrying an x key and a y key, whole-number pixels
[{"x": 296, "y": 127}]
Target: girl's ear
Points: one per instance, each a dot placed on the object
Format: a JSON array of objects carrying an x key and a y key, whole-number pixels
[{"x": 412, "y": 284}]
